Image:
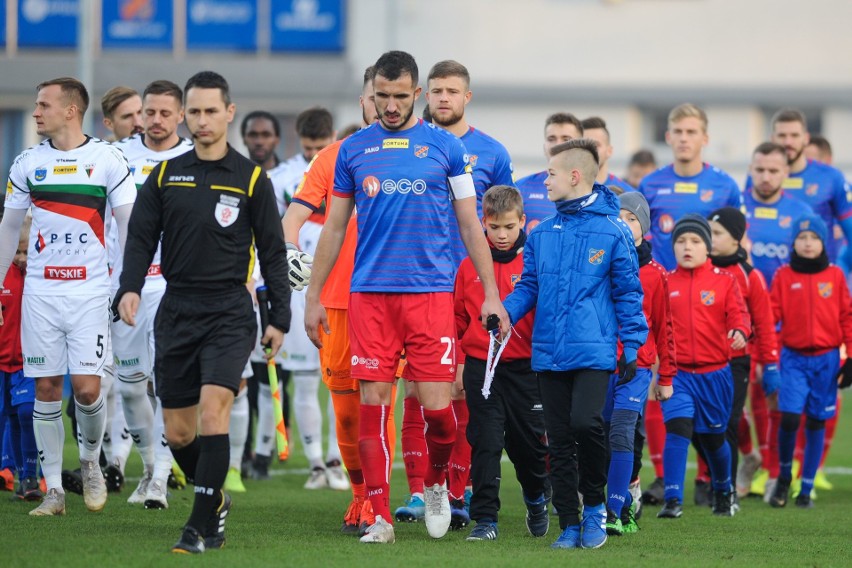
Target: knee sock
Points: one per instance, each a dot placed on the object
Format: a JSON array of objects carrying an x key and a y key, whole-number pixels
[
  {"x": 786, "y": 447},
  {"x": 799, "y": 452},
  {"x": 440, "y": 435},
  {"x": 108, "y": 393},
  {"x": 162, "y": 453},
  {"x": 50, "y": 436},
  {"x": 391, "y": 431},
  {"x": 830, "y": 429},
  {"x": 333, "y": 451},
  {"x": 760, "y": 416},
  {"x": 238, "y": 429},
  {"x": 460, "y": 455},
  {"x": 622, "y": 430},
  {"x": 674, "y": 465},
  {"x": 655, "y": 434},
  {"x": 140, "y": 417},
  {"x": 308, "y": 415},
  {"x": 7, "y": 459},
  {"x": 12, "y": 446},
  {"x": 813, "y": 455},
  {"x": 210, "y": 476},
  {"x": 414, "y": 444},
  {"x": 744, "y": 436},
  {"x": 702, "y": 470},
  {"x": 29, "y": 451},
  {"x": 774, "y": 465},
  {"x": 265, "y": 428},
  {"x": 187, "y": 458},
  {"x": 373, "y": 447},
  {"x": 91, "y": 423},
  {"x": 719, "y": 461},
  {"x": 347, "y": 408}
]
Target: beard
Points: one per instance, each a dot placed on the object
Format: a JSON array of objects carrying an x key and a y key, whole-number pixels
[
  {"x": 158, "y": 138},
  {"x": 791, "y": 161},
  {"x": 404, "y": 119},
  {"x": 451, "y": 120}
]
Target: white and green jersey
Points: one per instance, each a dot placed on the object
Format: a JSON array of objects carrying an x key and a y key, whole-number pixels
[
  {"x": 142, "y": 161},
  {"x": 285, "y": 178},
  {"x": 70, "y": 193}
]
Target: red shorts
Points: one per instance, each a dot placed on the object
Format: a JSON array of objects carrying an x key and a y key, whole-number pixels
[{"x": 382, "y": 325}]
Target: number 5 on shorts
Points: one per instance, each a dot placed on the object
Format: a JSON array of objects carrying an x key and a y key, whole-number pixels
[{"x": 100, "y": 352}]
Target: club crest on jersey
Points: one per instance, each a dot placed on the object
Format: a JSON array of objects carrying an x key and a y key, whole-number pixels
[
  {"x": 421, "y": 151},
  {"x": 472, "y": 159},
  {"x": 371, "y": 186},
  {"x": 706, "y": 195},
  {"x": 596, "y": 256},
  {"x": 812, "y": 189},
  {"x": 825, "y": 289},
  {"x": 227, "y": 210},
  {"x": 514, "y": 279},
  {"x": 666, "y": 223},
  {"x": 708, "y": 297},
  {"x": 785, "y": 222},
  {"x": 89, "y": 168},
  {"x": 40, "y": 174}
]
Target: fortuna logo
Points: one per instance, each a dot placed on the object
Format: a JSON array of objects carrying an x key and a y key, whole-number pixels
[
  {"x": 371, "y": 186},
  {"x": 708, "y": 297},
  {"x": 421, "y": 151},
  {"x": 64, "y": 170},
  {"x": 64, "y": 272},
  {"x": 395, "y": 144},
  {"x": 35, "y": 360},
  {"x": 40, "y": 174},
  {"x": 596, "y": 256},
  {"x": 89, "y": 168},
  {"x": 825, "y": 289}
]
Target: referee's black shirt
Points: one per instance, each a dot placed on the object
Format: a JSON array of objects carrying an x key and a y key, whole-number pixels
[{"x": 211, "y": 215}]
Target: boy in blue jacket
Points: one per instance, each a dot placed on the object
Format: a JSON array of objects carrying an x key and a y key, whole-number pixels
[{"x": 581, "y": 274}]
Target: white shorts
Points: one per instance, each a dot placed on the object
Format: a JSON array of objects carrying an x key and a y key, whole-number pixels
[
  {"x": 298, "y": 353},
  {"x": 133, "y": 346},
  {"x": 64, "y": 334}
]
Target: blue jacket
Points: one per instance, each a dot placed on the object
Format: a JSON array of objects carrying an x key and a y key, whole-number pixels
[{"x": 581, "y": 274}]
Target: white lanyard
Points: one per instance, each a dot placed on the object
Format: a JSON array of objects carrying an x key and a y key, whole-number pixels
[{"x": 494, "y": 353}]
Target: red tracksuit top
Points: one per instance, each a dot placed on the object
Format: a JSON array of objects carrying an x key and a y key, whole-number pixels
[
  {"x": 706, "y": 304},
  {"x": 11, "y": 359},
  {"x": 469, "y": 295},
  {"x": 658, "y": 313},
  {"x": 763, "y": 346},
  {"x": 813, "y": 309}
]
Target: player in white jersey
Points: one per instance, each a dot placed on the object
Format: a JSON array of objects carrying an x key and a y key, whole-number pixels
[
  {"x": 315, "y": 130},
  {"x": 70, "y": 180},
  {"x": 133, "y": 346},
  {"x": 122, "y": 110}
]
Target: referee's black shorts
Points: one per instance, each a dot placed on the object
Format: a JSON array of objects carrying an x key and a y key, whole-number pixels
[{"x": 201, "y": 339}]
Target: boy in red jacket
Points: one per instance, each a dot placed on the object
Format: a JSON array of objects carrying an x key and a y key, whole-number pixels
[
  {"x": 511, "y": 415},
  {"x": 811, "y": 301},
  {"x": 625, "y": 402},
  {"x": 709, "y": 319},
  {"x": 728, "y": 227}
]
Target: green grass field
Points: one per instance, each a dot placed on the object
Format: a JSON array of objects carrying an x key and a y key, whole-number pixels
[{"x": 279, "y": 523}]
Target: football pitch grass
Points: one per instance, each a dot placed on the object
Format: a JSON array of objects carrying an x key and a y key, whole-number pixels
[{"x": 277, "y": 522}]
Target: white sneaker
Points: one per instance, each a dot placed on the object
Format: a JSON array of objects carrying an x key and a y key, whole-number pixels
[
  {"x": 749, "y": 465},
  {"x": 138, "y": 495},
  {"x": 94, "y": 485},
  {"x": 438, "y": 514},
  {"x": 53, "y": 504},
  {"x": 770, "y": 489},
  {"x": 635, "y": 489},
  {"x": 318, "y": 479},
  {"x": 337, "y": 478},
  {"x": 156, "y": 497},
  {"x": 380, "y": 532}
]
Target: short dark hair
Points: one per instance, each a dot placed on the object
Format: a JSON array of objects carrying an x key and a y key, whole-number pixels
[
  {"x": 73, "y": 89},
  {"x": 789, "y": 115},
  {"x": 394, "y": 64},
  {"x": 564, "y": 118},
  {"x": 767, "y": 148},
  {"x": 501, "y": 199},
  {"x": 163, "y": 87},
  {"x": 113, "y": 98},
  {"x": 261, "y": 114},
  {"x": 209, "y": 80},
  {"x": 822, "y": 143},
  {"x": 578, "y": 144},
  {"x": 594, "y": 122},
  {"x": 643, "y": 158},
  {"x": 315, "y": 123},
  {"x": 369, "y": 73},
  {"x": 449, "y": 68}
]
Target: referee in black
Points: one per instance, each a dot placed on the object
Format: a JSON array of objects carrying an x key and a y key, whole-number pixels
[{"x": 212, "y": 207}]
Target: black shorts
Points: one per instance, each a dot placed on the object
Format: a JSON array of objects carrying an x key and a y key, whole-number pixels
[{"x": 202, "y": 339}]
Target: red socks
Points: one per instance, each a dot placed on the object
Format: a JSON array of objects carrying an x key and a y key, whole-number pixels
[
  {"x": 375, "y": 457},
  {"x": 655, "y": 434},
  {"x": 460, "y": 456},
  {"x": 440, "y": 435},
  {"x": 414, "y": 444}
]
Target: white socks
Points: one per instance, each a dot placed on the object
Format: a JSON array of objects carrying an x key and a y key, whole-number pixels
[
  {"x": 238, "y": 429},
  {"x": 91, "y": 424},
  {"x": 50, "y": 439},
  {"x": 139, "y": 416},
  {"x": 306, "y": 410}
]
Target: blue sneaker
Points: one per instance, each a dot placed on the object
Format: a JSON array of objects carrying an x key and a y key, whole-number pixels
[
  {"x": 412, "y": 511},
  {"x": 594, "y": 526},
  {"x": 459, "y": 517},
  {"x": 484, "y": 530},
  {"x": 538, "y": 521},
  {"x": 570, "y": 538}
]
